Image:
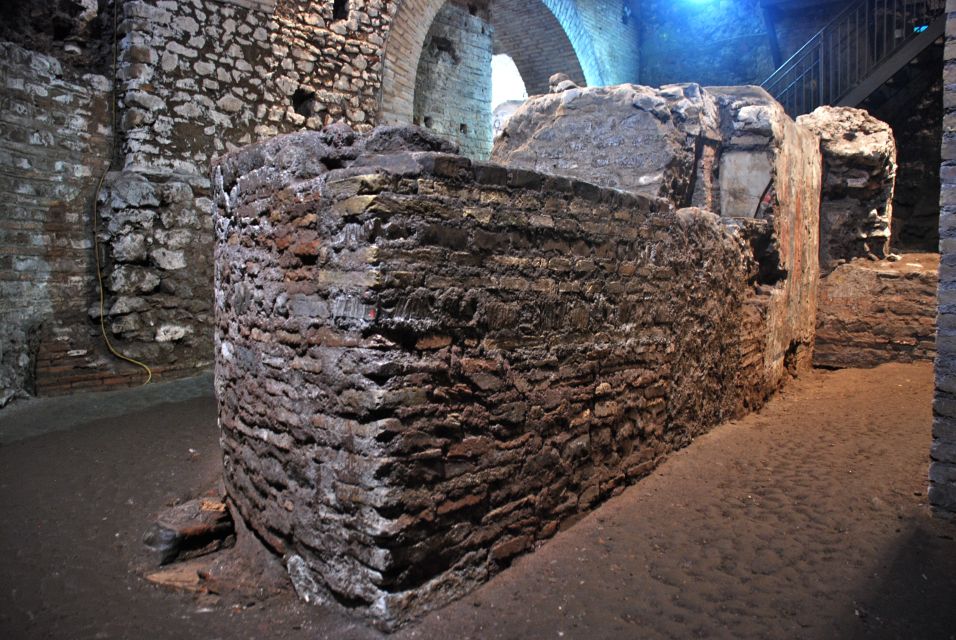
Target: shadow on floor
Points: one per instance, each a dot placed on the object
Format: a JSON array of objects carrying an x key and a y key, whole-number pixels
[{"x": 914, "y": 594}]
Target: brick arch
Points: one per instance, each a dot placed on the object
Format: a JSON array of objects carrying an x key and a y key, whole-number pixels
[
  {"x": 551, "y": 52},
  {"x": 406, "y": 36}
]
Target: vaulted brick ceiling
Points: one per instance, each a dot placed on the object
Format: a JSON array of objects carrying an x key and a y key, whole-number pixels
[{"x": 535, "y": 40}]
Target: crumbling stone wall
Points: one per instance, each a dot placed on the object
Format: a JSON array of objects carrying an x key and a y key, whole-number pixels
[
  {"x": 72, "y": 31},
  {"x": 859, "y": 174},
  {"x": 873, "y": 312},
  {"x": 453, "y": 83},
  {"x": 426, "y": 364},
  {"x": 874, "y": 307},
  {"x": 942, "y": 472},
  {"x": 727, "y": 149},
  {"x": 196, "y": 79},
  {"x": 54, "y": 136}
]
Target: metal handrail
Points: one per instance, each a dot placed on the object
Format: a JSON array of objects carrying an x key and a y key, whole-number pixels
[{"x": 847, "y": 49}]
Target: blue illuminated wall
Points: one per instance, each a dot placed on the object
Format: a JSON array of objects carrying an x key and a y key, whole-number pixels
[
  {"x": 605, "y": 35},
  {"x": 716, "y": 42}
]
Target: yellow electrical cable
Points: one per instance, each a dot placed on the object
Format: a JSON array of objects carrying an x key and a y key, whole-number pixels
[{"x": 96, "y": 217}]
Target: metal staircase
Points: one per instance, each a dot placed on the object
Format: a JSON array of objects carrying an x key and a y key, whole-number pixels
[{"x": 856, "y": 52}]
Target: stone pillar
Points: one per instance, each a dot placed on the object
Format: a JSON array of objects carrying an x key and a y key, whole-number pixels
[{"x": 942, "y": 472}]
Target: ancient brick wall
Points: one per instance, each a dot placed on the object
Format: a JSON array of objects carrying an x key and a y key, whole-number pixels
[
  {"x": 875, "y": 312},
  {"x": 453, "y": 83},
  {"x": 583, "y": 23},
  {"x": 732, "y": 150},
  {"x": 942, "y": 473},
  {"x": 196, "y": 79},
  {"x": 54, "y": 137},
  {"x": 615, "y": 31},
  {"x": 425, "y": 365}
]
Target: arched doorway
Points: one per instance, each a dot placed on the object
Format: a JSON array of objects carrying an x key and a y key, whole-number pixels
[{"x": 437, "y": 63}]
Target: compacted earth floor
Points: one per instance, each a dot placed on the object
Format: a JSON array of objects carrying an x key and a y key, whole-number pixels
[{"x": 806, "y": 520}]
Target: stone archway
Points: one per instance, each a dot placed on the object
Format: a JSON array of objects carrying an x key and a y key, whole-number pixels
[
  {"x": 410, "y": 26},
  {"x": 551, "y": 53}
]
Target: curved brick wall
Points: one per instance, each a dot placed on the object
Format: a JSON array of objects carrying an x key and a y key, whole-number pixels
[{"x": 425, "y": 365}]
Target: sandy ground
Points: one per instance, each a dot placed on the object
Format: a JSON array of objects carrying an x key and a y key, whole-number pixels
[{"x": 807, "y": 520}]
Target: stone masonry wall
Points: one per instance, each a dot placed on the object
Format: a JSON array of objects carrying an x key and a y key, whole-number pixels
[
  {"x": 453, "y": 83},
  {"x": 942, "y": 473},
  {"x": 425, "y": 365},
  {"x": 195, "y": 80},
  {"x": 872, "y": 312},
  {"x": 54, "y": 137}
]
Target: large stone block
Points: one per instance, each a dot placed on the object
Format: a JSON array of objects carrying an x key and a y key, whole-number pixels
[
  {"x": 859, "y": 159},
  {"x": 732, "y": 150},
  {"x": 425, "y": 365}
]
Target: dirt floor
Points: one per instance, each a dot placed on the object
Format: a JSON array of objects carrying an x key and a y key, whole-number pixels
[{"x": 807, "y": 520}]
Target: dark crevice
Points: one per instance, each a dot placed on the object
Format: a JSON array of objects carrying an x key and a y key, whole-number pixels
[
  {"x": 340, "y": 10},
  {"x": 766, "y": 252},
  {"x": 303, "y": 102}
]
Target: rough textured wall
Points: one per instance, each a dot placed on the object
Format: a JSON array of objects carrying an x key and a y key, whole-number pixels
[
  {"x": 721, "y": 43},
  {"x": 628, "y": 137},
  {"x": 425, "y": 365},
  {"x": 859, "y": 173},
  {"x": 942, "y": 473},
  {"x": 196, "y": 79},
  {"x": 871, "y": 312},
  {"x": 54, "y": 140},
  {"x": 70, "y": 30},
  {"x": 453, "y": 83},
  {"x": 727, "y": 149}
]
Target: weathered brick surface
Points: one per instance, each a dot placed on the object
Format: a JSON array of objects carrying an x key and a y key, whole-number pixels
[
  {"x": 54, "y": 136},
  {"x": 942, "y": 473},
  {"x": 875, "y": 312},
  {"x": 197, "y": 79},
  {"x": 726, "y": 149},
  {"x": 425, "y": 365}
]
